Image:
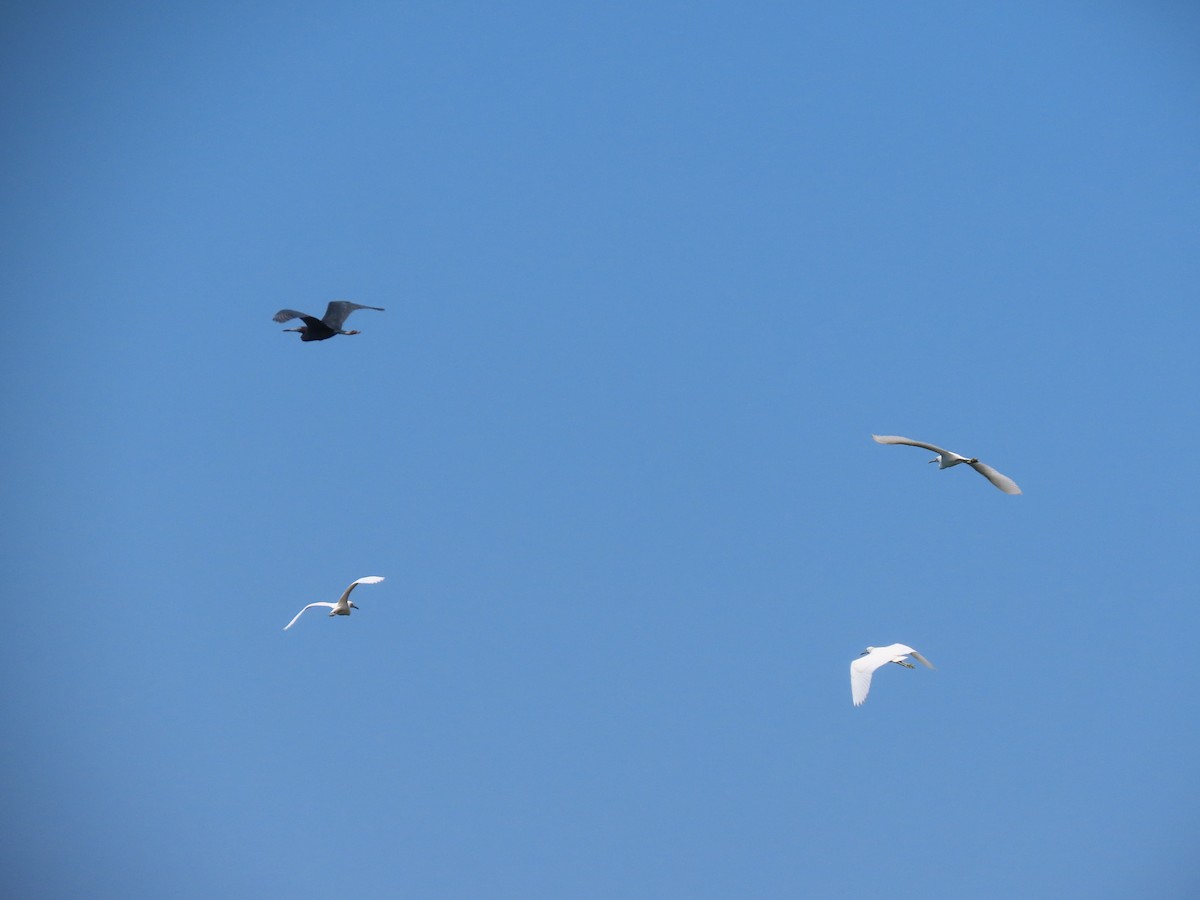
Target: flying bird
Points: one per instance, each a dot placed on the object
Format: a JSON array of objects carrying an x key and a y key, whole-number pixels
[
  {"x": 327, "y": 326},
  {"x": 343, "y": 606},
  {"x": 945, "y": 459},
  {"x": 871, "y": 659}
]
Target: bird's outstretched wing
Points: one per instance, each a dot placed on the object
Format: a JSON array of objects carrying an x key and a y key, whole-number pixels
[
  {"x": 861, "y": 671},
  {"x": 919, "y": 658},
  {"x": 339, "y": 310},
  {"x": 286, "y": 315},
  {"x": 367, "y": 579},
  {"x": 1003, "y": 482},
  {"x": 896, "y": 439},
  {"x": 299, "y": 614}
]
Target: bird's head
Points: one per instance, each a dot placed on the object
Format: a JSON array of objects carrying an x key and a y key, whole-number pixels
[
  {"x": 971, "y": 462},
  {"x": 868, "y": 650},
  {"x": 353, "y": 606},
  {"x": 937, "y": 459}
]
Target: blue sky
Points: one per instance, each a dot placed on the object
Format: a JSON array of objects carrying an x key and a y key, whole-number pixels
[{"x": 653, "y": 274}]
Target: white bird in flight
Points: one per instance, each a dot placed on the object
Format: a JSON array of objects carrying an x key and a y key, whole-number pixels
[
  {"x": 945, "y": 459},
  {"x": 343, "y": 606},
  {"x": 871, "y": 659}
]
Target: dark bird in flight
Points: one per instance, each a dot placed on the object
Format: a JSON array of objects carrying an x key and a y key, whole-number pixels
[{"x": 328, "y": 325}]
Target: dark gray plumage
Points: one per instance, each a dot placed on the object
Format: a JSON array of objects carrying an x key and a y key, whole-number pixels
[{"x": 326, "y": 327}]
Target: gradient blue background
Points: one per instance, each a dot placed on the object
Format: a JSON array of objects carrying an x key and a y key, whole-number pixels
[{"x": 653, "y": 274}]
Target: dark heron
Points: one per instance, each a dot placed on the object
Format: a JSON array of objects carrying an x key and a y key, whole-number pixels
[{"x": 319, "y": 329}]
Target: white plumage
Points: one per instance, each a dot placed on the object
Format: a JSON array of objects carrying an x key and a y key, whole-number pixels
[
  {"x": 946, "y": 458},
  {"x": 343, "y": 605},
  {"x": 871, "y": 659}
]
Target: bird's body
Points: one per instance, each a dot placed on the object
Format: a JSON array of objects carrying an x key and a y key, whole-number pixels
[
  {"x": 343, "y": 605},
  {"x": 947, "y": 458},
  {"x": 326, "y": 327},
  {"x": 871, "y": 659}
]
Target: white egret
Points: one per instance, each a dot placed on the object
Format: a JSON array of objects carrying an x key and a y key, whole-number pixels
[
  {"x": 871, "y": 659},
  {"x": 343, "y": 606},
  {"x": 945, "y": 459}
]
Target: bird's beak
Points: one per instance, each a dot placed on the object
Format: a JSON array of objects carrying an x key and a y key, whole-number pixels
[
  {"x": 352, "y": 606},
  {"x": 864, "y": 653}
]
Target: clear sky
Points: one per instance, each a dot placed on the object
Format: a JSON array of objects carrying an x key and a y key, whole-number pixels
[{"x": 653, "y": 273}]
